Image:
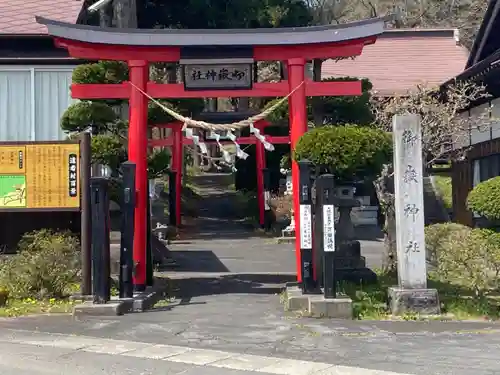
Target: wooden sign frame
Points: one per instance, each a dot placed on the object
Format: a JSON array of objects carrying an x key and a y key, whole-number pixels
[{"x": 22, "y": 173}]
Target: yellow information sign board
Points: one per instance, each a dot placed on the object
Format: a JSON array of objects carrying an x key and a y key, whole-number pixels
[{"x": 40, "y": 176}]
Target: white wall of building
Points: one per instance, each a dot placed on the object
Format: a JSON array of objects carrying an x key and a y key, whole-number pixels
[
  {"x": 32, "y": 100},
  {"x": 490, "y": 130}
]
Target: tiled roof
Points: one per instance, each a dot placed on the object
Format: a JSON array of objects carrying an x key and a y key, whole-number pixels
[
  {"x": 402, "y": 59},
  {"x": 18, "y": 16}
]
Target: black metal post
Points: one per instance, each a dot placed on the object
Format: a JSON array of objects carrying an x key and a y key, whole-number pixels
[
  {"x": 149, "y": 249},
  {"x": 100, "y": 240},
  {"x": 267, "y": 197},
  {"x": 305, "y": 206},
  {"x": 327, "y": 211},
  {"x": 172, "y": 175},
  {"x": 86, "y": 232},
  {"x": 127, "y": 236},
  {"x": 318, "y": 233}
]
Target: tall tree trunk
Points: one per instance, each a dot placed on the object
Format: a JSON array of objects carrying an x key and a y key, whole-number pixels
[
  {"x": 384, "y": 186},
  {"x": 106, "y": 15},
  {"x": 125, "y": 14}
]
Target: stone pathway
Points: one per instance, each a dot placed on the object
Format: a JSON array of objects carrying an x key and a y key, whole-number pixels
[
  {"x": 57, "y": 354},
  {"x": 227, "y": 308}
]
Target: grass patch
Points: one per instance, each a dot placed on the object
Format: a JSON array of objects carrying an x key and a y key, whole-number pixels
[
  {"x": 30, "y": 306},
  {"x": 443, "y": 186},
  {"x": 457, "y": 303}
]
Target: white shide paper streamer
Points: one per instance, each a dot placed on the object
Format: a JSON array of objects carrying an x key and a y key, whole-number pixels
[
  {"x": 256, "y": 132},
  {"x": 196, "y": 139}
]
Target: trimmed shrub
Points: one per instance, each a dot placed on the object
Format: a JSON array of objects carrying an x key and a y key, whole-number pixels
[
  {"x": 79, "y": 116},
  {"x": 47, "y": 265},
  {"x": 466, "y": 257},
  {"x": 351, "y": 153},
  {"x": 101, "y": 72},
  {"x": 436, "y": 237},
  {"x": 484, "y": 199}
]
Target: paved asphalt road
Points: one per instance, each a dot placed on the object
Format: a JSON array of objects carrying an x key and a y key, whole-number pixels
[
  {"x": 28, "y": 353},
  {"x": 226, "y": 319}
]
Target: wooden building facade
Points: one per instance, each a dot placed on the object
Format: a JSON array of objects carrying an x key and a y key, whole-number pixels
[{"x": 482, "y": 158}]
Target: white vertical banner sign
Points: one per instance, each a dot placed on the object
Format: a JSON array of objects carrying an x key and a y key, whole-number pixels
[
  {"x": 305, "y": 214},
  {"x": 409, "y": 202},
  {"x": 328, "y": 228},
  {"x": 267, "y": 199}
]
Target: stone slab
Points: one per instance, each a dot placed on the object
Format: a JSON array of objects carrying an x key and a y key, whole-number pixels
[
  {"x": 281, "y": 240},
  {"x": 92, "y": 309},
  {"x": 420, "y": 301},
  {"x": 295, "y": 300},
  {"x": 317, "y": 305},
  {"x": 336, "y": 308},
  {"x": 141, "y": 302}
]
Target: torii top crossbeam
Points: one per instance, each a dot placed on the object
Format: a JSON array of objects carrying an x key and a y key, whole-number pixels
[
  {"x": 139, "y": 47},
  {"x": 266, "y": 44}
]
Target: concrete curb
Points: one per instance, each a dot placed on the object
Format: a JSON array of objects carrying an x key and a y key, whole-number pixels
[
  {"x": 285, "y": 240},
  {"x": 141, "y": 302},
  {"x": 316, "y": 305}
]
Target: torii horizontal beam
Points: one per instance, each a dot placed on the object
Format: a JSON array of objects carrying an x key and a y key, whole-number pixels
[
  {"x": 177, "y": 90},
  {"x": 168, "y": 142}
]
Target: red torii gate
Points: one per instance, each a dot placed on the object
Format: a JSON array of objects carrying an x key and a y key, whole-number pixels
[
  {"x": 140, "y": 47},
  {"x": 176, "y": 141}
]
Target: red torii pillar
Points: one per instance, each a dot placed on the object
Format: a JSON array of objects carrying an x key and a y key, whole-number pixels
[
  {"x": 177, "y": 166},
  {"x": 137, "y": 153},
  {"x": 298, "y": 126},
  {"x": 260, "y": 163}
]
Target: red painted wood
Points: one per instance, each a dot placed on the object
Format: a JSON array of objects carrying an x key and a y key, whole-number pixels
[
  {"x": 156, "y": 90},
  {"x": 178, "y": 158},
  {"x": 260, "y": 164},
  {"x": 137, "y": 153},
  {"x": 298, "y": 126},
  {"x": 159, "y": 90},
  {"x": 312, "y": 51},
  {"x": 170, "y": 125},
  {"x": 168, "y": 142},
  {"x": 101, "y": 91},
  {"x": 173, "y": 124},
  {"x": 96, "y": 51}
]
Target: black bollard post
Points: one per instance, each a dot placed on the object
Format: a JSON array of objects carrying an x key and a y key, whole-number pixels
[
  {"x": 149, "y": 249},
  {"x": 318, "y": 232},
  {"x": 305, "y": 207},
  {"x": 100, "y": 240},
  {"x": 127, "y": 236},
  {"x": 327, "y": 211},
  {"x": 267, "y": 197},
  {"x": 172, "y": 219}
]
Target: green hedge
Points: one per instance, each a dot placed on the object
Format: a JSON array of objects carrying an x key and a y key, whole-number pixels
[
  {"x": 351, "y": 153},
  {"x": 484, "y": 199}
]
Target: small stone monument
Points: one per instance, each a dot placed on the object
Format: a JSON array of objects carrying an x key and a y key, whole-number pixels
[
  {"x": 412, "y": 294},
  {"x": 349, "y": 264}
]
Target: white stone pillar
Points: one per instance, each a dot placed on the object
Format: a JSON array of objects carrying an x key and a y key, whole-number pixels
[
  {"x": 409, "y": 202},
  {"x": 410, "y": 221}
]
